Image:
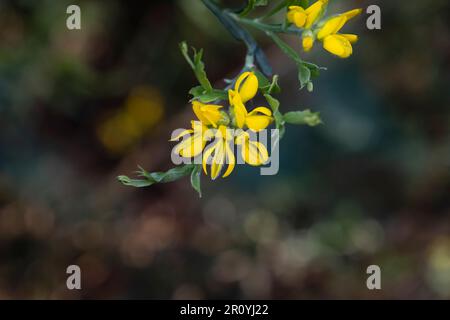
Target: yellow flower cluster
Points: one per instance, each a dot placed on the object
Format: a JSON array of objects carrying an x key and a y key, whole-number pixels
[
  {"x": 226, "y": 129},
  {"x": 325, "y": 31}
]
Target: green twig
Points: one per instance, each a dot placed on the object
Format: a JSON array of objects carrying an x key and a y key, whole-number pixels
[{"x": 240, "y": 34}]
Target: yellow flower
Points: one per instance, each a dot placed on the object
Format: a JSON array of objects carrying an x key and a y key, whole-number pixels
[
  {"x": 259, "y": 118},
  {"x": 209, "y": 114},
  {"x": 334, "y": 42},
  {"x": 307, "y": 42},
  {"x": 305, "y": 18},
  {"x": 297, "y": 16},
  {"x": 194, "y": 144},
  {"x": 245, "y": 89},
  {"x": 253, "y": 152},
  {"x": 237, "y": 108},
  {"x": 220, "y": 153}
]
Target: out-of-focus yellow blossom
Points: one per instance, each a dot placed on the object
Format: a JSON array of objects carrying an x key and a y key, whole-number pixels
[
  {"x": 305, "y": 18},
  {"x": 334, "y": 42},
  {"x": 209, "y": 114},
  {"x": 253, "y": 152},
  {"x": 141, "y": 111},
  {"x": 220, "y": 153},
  {"x": 194, "y": 144},
  {"x": 245, "y": 89}
]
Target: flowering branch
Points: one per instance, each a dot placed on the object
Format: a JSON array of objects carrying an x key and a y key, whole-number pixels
[{"x": 212, "y": 137}]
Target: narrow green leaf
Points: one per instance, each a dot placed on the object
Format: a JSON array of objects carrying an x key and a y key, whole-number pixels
[
  {"x": 195, "y": 179},
  {"x": 200, "y": 71},
  {"x": 251, "y": 4},
  {"x": 197, "y": 91},
  {"x": 262, "y": 79},
  {"x": 274, "y": 87},
  {"x": 211, "y": 96},
  {"x": 271, "y": 87},
  {"x": 273, "y": 103},
  {"x": 150, "y": 178},
  {"x": 304, "y": 75},
  {"x": 279, "y": 120},
  {"x": 138, "y": 183},
  {"x": 185, "y": 51},
  {"x": 303, "y": 117},
  {"x": 197, "y": 65}
]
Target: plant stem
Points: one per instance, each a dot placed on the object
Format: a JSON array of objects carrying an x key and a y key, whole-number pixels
[
  {"x": 241, "y": 34},
  {"x": 277, "y": 28}
]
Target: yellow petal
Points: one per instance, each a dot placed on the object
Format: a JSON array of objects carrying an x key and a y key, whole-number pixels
[
  {"x": 207, "y": 113},
  {"x": 332, "y": 26},
  {"x": 263, "y": 110},
  {"x": 212, "y": 117},
  {"x": 231, "y": 160},
  {"x": 190, "y": 147},
  {"x": 299, "y": 19},
  {"x": 239, "y": 110},
  {"x": 307, "y": 43},
  {"x": 218, "y": 160},
  {"x": 239, "y": 80},
  {"x": 206, "y": 156},
  {"x": 352, "y": 13},
  {"x": 257, "y": 123},
  {"x": 242, "y": 137},
  {"x": 296, "y": 15},
  {"x": 254, "y": 153},
  {"x": 259, "y": 118},
  {"x": 313, "y": 12},
  {"x": 247, "y": 86},
  {"x": 196, "y": 107},
  {"x": 231, "y": 94},
  {"x": 350, "y": 37},
  {"x": 338, "y": 45}
]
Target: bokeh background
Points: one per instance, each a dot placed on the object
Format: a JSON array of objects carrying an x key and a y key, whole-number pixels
[{"x": 78, "y": 108}]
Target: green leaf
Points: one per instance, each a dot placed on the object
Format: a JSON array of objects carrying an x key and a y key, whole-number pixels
[
  {"x": 195, "y": 179},
  {"x": 197, "y": 65},
  {"x": 304, "y": 75},
  {"x": 138, "y": 183},
  {"x": 315, "y": 69},
  {"x": 273, "y": 103},
  {"x": 150, "y": 178},
  {"x": 279, "y": 120},
  {"x": 303, "y": 117},
  {"x": 251, "y": 4},
  {"x": 197, "y": 91},
  {"x": 262, "y": 79},
  {"x": 271, "y": 87},
  {"x": 208, "y": 96}
]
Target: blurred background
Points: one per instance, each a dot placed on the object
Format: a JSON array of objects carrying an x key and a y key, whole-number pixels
[{"x": 78, "y": 108}]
